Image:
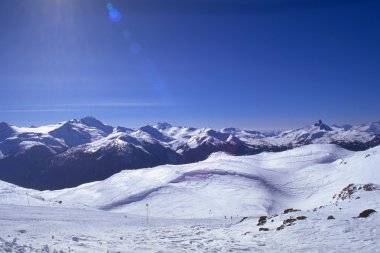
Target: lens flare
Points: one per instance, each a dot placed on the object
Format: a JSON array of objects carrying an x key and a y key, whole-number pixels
[{"x": 113, "y": 14}]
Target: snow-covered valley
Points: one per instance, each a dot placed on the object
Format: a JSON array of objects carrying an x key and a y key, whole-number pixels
[{"x": 269, "y": 202}]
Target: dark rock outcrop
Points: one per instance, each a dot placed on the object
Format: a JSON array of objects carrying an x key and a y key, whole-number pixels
[
  {"x": 243, "y": 219},
  {"x": 289, "y": 222},
  {"x": 262, "y": 220},
  {"x": 290, "y": 210},
  {"x": 349, "y": 191},
  {"x": 366, "y": 213}
]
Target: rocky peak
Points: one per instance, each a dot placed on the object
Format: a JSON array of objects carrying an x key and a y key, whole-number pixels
[{"x": 322, "y": 126}]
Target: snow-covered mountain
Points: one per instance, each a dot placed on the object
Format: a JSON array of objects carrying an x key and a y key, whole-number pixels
[
  {"x": 319, "y": 197},
  {"x": 47, "y": 157},
  {"x": 77, "y": 132}
]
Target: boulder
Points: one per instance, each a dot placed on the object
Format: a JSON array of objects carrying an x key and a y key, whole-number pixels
[{"x": 366, "y": 213}]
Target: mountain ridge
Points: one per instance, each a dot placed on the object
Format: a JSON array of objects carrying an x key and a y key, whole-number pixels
[{"x": 47, "y": 157}]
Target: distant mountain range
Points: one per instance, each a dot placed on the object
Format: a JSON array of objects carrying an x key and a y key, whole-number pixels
[{"x": 74, "y": 152}]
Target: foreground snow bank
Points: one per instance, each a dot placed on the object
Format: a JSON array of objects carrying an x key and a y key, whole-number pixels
[{"x": 52, "y": 229}]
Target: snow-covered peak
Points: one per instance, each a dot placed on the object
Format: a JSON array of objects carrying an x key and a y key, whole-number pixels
[
  {"x": 156, "y": 134},
  {"x": 206, "y": 136},
  {"x": 162, "y": 125},
  {"x": 322, "y": 133},
  {"x": 77, "y": 132},
  {"x": 123, "y": 129},
  {"x": 346, "y": 127},
  {"x": 93, "y": 122},
  {"x": 271, "y": 133},
  {"x": 230, "y": 130},
  {"x": 217, "y": 135},
  {"x": 5, "y": 131},
  {"x": 143, "y": 136},
  {"x": 373, "y": 127},
  {"x": 4, "y": 126}
]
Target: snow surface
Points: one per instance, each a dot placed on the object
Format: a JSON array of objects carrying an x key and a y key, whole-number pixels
[
  {"x": 250, "y": 185},
  {"x": 41, "y": 129},
  {"x": 198, "y": 207}
]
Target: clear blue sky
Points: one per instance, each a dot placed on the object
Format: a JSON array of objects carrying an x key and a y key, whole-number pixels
[{"x": 246, "y": 63}]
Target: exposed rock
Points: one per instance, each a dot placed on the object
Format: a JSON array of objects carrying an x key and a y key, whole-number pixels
[
  {"x": 366, "y": 213},
  {"x": 301, "y": 217},
  {"x": 280, "y": 227},
  {"x": 262, "y": 220},
  {"x": 263, "y": 229},
  {"x": 290, "y": 210},
  {"x": 351, "y": 189},
  {"x": 330, "y": 217},
  {"x": 289, "y": 222},
  {"x": 369, "y": 187},
  {"x": 243, "y": 219}
]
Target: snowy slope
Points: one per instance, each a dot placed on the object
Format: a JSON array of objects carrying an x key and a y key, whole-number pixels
[
  {"x": 252, "y": 185},
  {"x": 211, "y": 206}
]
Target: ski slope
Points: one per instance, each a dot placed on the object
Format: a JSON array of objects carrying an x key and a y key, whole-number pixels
[{"x": 198, "y": 207}]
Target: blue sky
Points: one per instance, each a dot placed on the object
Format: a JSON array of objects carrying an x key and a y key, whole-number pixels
[{"x": 254, "y": 64}]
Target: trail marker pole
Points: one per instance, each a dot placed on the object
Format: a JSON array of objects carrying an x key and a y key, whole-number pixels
[
  {"x": 27, "y": 197},
  {"x": 147, "y": 213}
]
